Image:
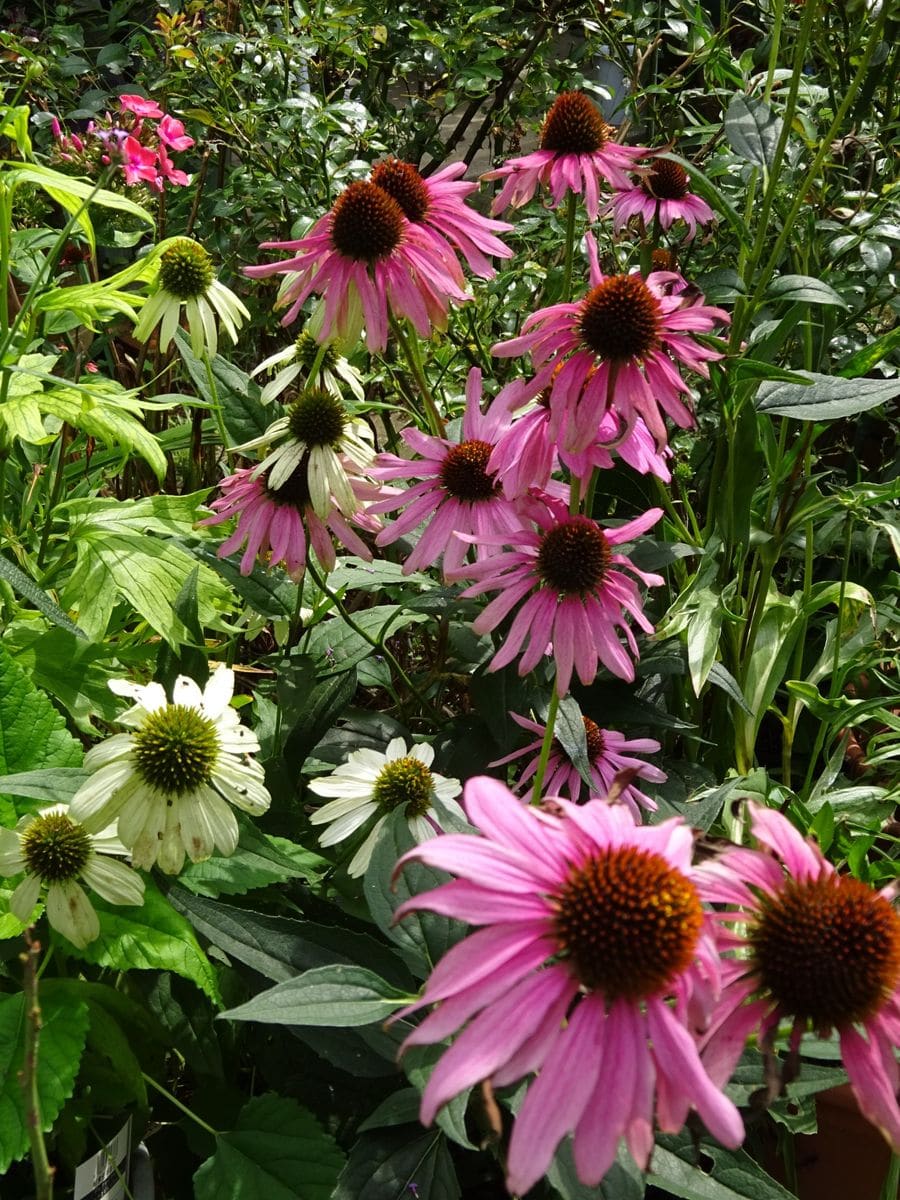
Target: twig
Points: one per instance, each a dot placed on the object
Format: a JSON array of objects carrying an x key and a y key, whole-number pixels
[{"x": 43, "y": 1172}]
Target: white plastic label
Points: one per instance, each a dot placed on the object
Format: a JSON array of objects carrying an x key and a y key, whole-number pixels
[{"x": 104, "y": 1175}]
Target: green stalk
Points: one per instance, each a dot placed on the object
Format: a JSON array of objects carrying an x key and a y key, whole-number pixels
[
  {"x": 546, "y": 746},
  {"x": 182, "y": 1107},
  {"x": 40, "y": 1163},
  {"x": 891, "y": 1179},
  {"x": 410, "y": 353},
  {"x": 571, "y": 212},
  {"x": 216, "y": 404}
]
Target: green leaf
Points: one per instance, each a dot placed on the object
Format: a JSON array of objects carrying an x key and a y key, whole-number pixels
[
  {"x": 189, "y": 1022},
  {"x": 703, "y": 637},
  {"x": 109, "y": 414},
  {"x": 245, "y": 417},
  {"x": 338, "y": 647},
  {"x": 63, "y": 1033},
  {"x": 870, "y": 356},
  {"x": 258, "y": 861},
  {"x": 277, "y": 1151},
  {"x": 389, "y": 1165},
  {"x": 51, "y": 785},
  {"x": 734, "y": 1174},
  {"x": 828, "y": 397},
  {"x": 32, "y": 733},
  {"x": 752, "y": 129},
  {"x": 572, "y": 737},
  {"x": 151, "y": 938},
  {"x": 14, "y": 125},
  {"x": 623, "y": 1181},
  {"x": 722, "y": 678},
  {"x": 26, "y": 587},
  {"x": 804, "y": 289},
  {"x": 423, "y": 937},
  {"x": 280, "y": 948},
  {"x": 767, "y": 661},
  {"x": 340, "y": 996}
]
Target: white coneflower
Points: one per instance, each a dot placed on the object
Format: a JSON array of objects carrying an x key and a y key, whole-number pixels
[
  {"x": 170, "y": 783},
  {"x": 371, "y": 784},
  {"x": 55, "y": 852},
  {"x": 317, "y": 425},
  {"x": 300, "y": 358},
  {"x": 186, "y": 279}
]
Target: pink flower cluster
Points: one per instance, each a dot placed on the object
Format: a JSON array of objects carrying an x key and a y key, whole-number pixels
[{"x": 130, "y": 140}]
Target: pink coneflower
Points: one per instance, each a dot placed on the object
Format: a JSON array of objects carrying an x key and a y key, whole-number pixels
[
  {"x": 457, "y": 493},
  {"x": 608, "y": 753},
  {"x": 576, "y": 154},
  {"x": 562, "y": 583},
  {"x": 526, "y": 454},
  {"x": 275, "y": 521},
  {"x": 664, "y": 190},
  {"x": 818, "y": 949},
  {"x": 591, "y": 925},
  {"x": 436, "y": 205},
  {"x": 367, "y": 261},
  {"x": 615, "y": 349}
]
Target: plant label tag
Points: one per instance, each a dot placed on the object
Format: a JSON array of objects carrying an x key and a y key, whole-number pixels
[{"x": 104, "y": 1175}]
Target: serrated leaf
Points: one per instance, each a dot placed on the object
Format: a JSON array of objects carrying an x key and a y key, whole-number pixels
[
  {"x": 62, "y": 1038},
  {"x": 804, "y": 289},
  {"x": 752, "y": 129},
  {"x": 52, "y": 785},
  {"x": 26, "y": 587},
  {"x": 827, "y": 398},
  {"x": 153, "y": 937},
  {"x": 341, "y": 996},
  {"x": 33, "y": 734},
  {"x": 277, "y": 1151}
]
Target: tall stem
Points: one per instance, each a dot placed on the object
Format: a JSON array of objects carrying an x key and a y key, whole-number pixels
[
  {"x": 40, "y": 1163},
  {"x": 410, "y": 353},
  {"x": 546, "y": 747},
  {"x": 216, "y": 404},
  {"x": 571, "y": 212}
]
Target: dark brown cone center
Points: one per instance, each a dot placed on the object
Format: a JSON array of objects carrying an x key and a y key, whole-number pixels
[
  {"x": 620, "y": 319},
  {"x": 366, "y": 223}
]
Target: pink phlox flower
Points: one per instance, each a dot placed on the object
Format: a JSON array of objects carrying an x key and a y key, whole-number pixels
[
  {"x": 436, "y": 204},
  {"x": 804, "y": 944},
  {"x": 368, "y": 262},
  {"x": 276, "y": 523},
  {"x": 139, "y": 162},
  {"x": 569, "y": 592},
  {"x": 618, "y": 348},
  {"x": 168, "y": 170},
  {"x": 576, "y": 154},
  {"x": 456, "y": 494},
  {"x": 171, "y": 133},
  {"x": 570, "y": 976},
  {"x": 663, "y": 191},
  {"x": 140, "y": 106},
  {"x": 608, "y": 753}
]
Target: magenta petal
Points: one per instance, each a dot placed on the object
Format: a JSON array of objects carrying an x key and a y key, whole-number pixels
[
  {"x": 597, "y": 1133},
  {"x": 556, "y": 1100}
]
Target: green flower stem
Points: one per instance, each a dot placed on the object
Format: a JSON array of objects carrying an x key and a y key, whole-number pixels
[
  {"x": 571, "y": 213},
  {"x": 55, "y": 491},
  {"x": 546, "y": 746},
  {"x": 411, "y": 354},
  {"x": 374, "y": 642},
  {"x": 182, "y": 1107},
  {"x": 891, "y": 1179},
  {"x": 40, "y": 1163},
  {"x": 216, "y": 405}
]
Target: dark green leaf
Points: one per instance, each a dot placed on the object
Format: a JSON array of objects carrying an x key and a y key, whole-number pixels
[
  {"x": 870, "y": 356},
  {"x": 54, "y": 785},
  {"x": 752, "y": 129},
  {"x": 258, "y": 861},
  {"x": 623, "y": 1181},
  {"x": 277, "y": 1151},
  {"x": 733, "y": 1176},
  {"x": 245, "y": 417},
  {"x": 338, "y": 996},
  {"x": 389, "y": 1165},
  {"x": 570, "y": 730},
  {"x": 828, "y": 397},
  {"x": 804, "y": 288},
  {"x": 32, "y": 733}
]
